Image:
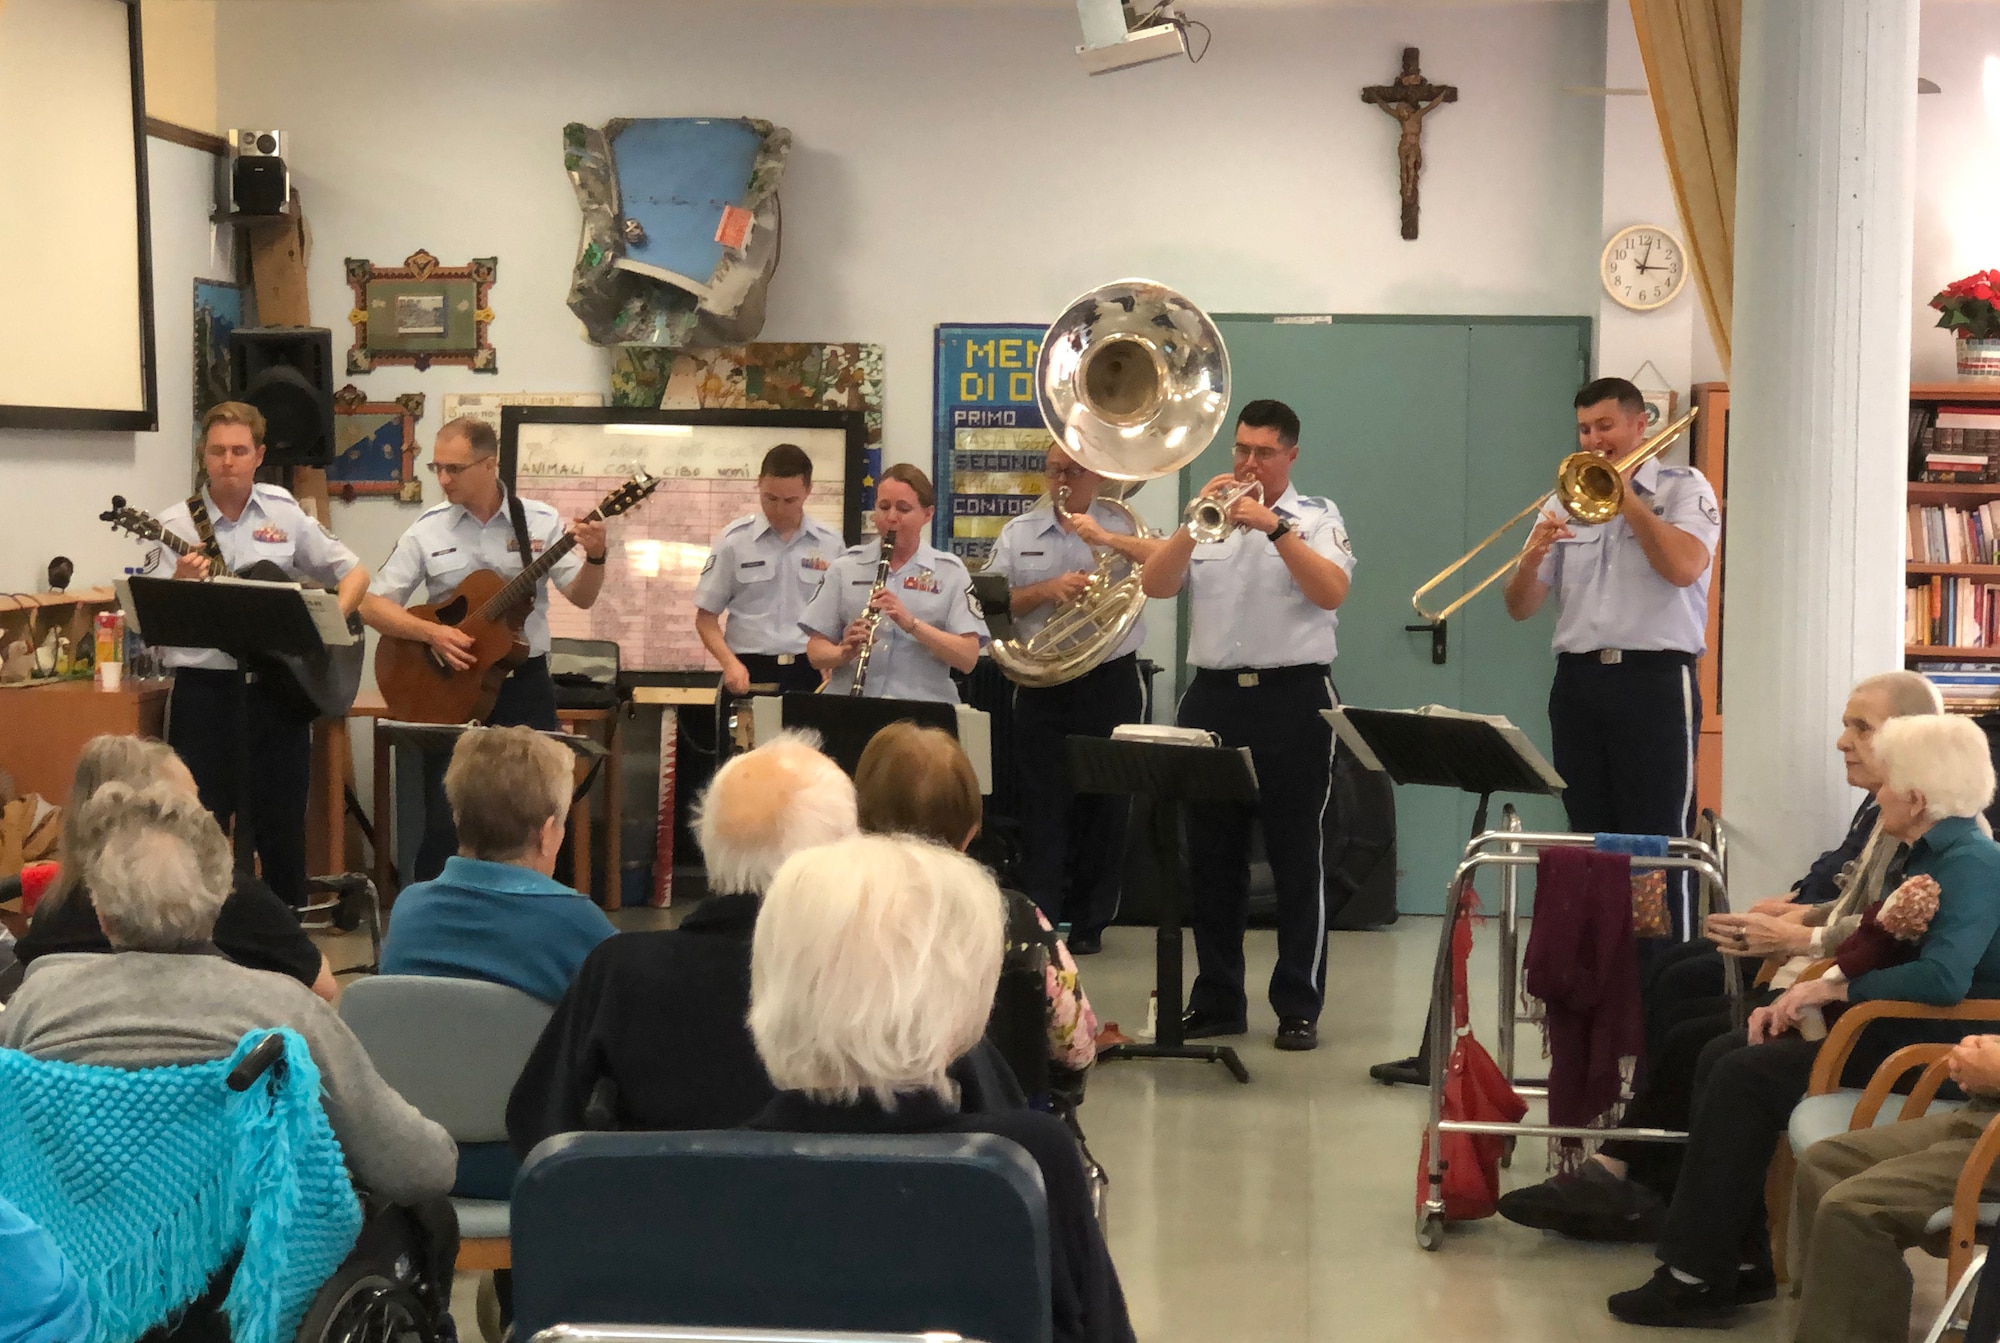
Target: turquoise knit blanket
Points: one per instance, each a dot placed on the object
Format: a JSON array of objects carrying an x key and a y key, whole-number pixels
[{"x": 149, "y": 1180}]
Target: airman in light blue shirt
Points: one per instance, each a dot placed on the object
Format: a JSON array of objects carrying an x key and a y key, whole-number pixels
[
  {"x": 446, "y": 543},
  {"x": 927, "y": 629},
  {"x": 272, "y": 527},
  {"x": 1246, "y": 610},
  {"x": 1610, "y": 594},
  {"x": 1034, "y": 547}
]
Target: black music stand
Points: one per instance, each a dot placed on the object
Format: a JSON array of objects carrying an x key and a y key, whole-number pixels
[
  {"x": 1446, "y": 750},
  {"x": 847, "y": 723},
  {"x": 1169, "y": 776},
  {"x": 248, "y": 621}
]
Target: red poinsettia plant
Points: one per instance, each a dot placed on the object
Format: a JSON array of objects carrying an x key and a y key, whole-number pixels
[{"x": 1968, "y": 305}]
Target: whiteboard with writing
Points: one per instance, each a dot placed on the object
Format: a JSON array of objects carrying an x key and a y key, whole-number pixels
[{"x": 709, "y": 479}]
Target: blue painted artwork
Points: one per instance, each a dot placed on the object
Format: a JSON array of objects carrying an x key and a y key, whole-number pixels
[
  {"x": 367, "y": 448},
  {"x": 676, "y": 175},
  {"x": 218, "y": 310}
]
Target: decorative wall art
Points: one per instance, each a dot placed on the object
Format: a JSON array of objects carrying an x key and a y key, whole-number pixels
[
  {"x": 681, "y": 227},
  {"x": 773, "y": 376},
  {"x": 422, "y": 313},
  {"x": 988, "y": 440},
  {"x": 375, "y": 446},
  {"x": 218, "y": 310}
]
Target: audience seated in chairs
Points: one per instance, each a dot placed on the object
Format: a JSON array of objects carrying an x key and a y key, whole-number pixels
[
  {"x": 496, "y": 911},
  {"x": 1865, "y": 1197},
  {"x": 873, "y": 967},
  {"x": 254, "y": 928},
  {"x": 157, "y": 868},
  {"x": 1620, "y": 1193},
  {"x": 43, "y": 1302},
  {"x": 1714, "y": 1248},
  {"x": 916, "y": 780}
]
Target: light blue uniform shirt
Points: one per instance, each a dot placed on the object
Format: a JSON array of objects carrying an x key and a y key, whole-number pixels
[
  {"x": 446, "y": 543},
  {"x": 764, "y": 582},
  {"x": 1244, "y": 608},
  {"x": 1033, "y": 547},
  {"x": 271, "y": 527},
  {"x": 1611, "y": 596},
  {"x": 933, "y": 586}
]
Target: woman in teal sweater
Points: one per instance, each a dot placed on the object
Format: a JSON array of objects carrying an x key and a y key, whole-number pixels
[{"x": 1714, "y": 1248}]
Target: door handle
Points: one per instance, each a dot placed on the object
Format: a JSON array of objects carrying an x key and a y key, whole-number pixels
[{"x": 1439, "y": 646}]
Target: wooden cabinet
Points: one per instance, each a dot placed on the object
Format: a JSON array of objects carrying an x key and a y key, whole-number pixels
[{"x": 43, "y": 728}]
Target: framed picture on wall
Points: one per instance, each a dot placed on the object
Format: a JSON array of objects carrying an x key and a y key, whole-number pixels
[
  {"x": 218, "y": 310},
  {"x": 422, "y": 313},
  {"x": 375, "y": 446}
]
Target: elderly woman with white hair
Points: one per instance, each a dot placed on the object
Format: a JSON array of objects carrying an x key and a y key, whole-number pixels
[
  {"x": 873, "y": 969},
  {"x": 1937, "y": 777},
  {"x": 158, "y": 869}
]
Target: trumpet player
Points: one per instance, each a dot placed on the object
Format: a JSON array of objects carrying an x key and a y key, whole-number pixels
[
  {"x": 1263, "y": 610},
  {"x": 1624, "y": 710},
  {"x": 926, "y": 629},
  {"x": 1075, "y": 844}
]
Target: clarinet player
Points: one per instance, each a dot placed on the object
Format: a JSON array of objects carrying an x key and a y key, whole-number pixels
[{"x": 926, "y": 629}]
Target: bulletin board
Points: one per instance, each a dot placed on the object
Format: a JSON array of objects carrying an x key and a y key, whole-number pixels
[
  {"x": 570, "y": 458},
  {"x": 989, "y": 439}
]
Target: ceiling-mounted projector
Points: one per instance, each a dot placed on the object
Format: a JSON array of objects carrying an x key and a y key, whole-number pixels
[{"x": 1115, "y": 37}]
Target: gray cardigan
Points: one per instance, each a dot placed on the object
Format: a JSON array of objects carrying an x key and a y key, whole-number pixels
[{"x": 136, "y": 1009}]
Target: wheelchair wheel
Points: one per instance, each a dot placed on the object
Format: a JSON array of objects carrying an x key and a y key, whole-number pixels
[{"x": 367, "y": 1308}]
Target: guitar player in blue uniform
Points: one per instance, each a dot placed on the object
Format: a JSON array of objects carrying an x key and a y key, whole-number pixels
[
  {"x": 474, "y": 529},
  {"x": 213, "y": 704}
]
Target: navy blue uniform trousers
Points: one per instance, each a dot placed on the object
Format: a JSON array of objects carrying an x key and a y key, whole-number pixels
[
  {"x": 1291, "y": 748},
  {"x": 1075, "y": 842},
  {"x": 1623, "y": 735},
  {"x": 225, "y": 728}
]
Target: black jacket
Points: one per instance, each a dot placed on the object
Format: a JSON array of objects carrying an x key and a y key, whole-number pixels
[
  {"x": 254, "y": 928},
  {"x": 654, "y": 1034},
  {"x": 1087, "y": 1304},
  {"x": 1816, "y": 886}
]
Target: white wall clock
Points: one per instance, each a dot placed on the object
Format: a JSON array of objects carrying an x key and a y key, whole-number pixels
[{"x": 1643, "y": 267}]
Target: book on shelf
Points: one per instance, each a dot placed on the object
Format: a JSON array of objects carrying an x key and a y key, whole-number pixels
[
  {"x": 1949, "y": 534},
  {"x": 1952, "y": 613}
]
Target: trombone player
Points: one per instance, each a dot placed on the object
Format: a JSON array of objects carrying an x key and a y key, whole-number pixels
[
  {"x": 1263, "y": 609},
  {"x": 1625, "y": 711},
  {"x": 1075, "y": 843}
]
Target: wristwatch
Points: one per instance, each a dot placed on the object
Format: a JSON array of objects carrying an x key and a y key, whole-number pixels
[
  {"x": 1283, "y": 526},
  {"x": 599, "y": 560}
]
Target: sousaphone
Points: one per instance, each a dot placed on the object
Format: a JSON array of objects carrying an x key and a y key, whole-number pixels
[{"x": 1133, "y": 381}]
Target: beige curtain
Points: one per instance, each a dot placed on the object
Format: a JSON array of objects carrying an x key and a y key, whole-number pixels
[{"x": 1693, "y": 50}]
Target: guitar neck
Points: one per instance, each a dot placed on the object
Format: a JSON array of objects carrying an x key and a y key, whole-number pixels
[{"x": 520, "y": 588}]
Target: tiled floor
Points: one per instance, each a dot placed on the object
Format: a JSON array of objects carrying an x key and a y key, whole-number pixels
[{"x": 1281, "y": 1211}]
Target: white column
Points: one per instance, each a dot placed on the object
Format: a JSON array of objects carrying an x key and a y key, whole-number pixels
[{"x": 1819, "y": 399}]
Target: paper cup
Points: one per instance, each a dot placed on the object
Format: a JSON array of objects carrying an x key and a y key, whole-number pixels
[{"x": 109, "y": 674}]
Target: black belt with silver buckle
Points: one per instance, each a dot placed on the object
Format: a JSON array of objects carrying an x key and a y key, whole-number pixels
[
  {"x": 1629, "y": 657},
  {"x": 1245, "y": 678}
]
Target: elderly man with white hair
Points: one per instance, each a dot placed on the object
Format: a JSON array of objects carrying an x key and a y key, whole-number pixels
[
  {"x": 1937, "y": 777},
  {"x": 650, "y": 1034},
  {"x": 158, "y": 869},
  {"x": 872, "y": 971}
]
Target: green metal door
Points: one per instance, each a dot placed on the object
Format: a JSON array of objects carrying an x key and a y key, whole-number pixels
[{"x": 1425, "y": 433}]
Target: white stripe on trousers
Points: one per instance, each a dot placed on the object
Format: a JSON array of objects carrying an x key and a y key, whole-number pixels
[
  {"x": 1332, "y": 749},
  {"x": 1687, "y": 794}
]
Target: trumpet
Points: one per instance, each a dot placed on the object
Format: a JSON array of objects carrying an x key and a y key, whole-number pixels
[
  {"x": 873, "y": 616},
  {"x": 1208, "y": 514},
  {"x": 1589, "y": 488}
]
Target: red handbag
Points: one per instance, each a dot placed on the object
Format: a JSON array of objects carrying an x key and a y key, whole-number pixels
[{"x": 1474, "y": 1089}]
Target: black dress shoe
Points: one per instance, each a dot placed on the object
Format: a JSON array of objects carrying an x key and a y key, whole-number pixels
[
  {"x": 1083, "y": 943},
  {"x": 1296, "y": 1033},
  {"x": 1665, "y": 1302},
  {"x": 1200, "y": 1025}
]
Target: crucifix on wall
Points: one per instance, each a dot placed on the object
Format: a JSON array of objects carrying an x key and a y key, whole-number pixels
[{"x": 1409, "y": 100}]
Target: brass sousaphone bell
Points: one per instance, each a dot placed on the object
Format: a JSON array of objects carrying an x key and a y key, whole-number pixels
[{"x": 1133, "y": 381}]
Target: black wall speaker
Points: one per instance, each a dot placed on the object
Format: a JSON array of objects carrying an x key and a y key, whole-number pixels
[
  {"x": 287, "y": 373},
  {"x": 258, "y": 186}
]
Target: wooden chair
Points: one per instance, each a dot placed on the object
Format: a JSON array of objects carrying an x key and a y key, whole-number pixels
[{"x": 1828, "y": 1065}]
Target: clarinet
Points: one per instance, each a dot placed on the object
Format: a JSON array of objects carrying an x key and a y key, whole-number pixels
[{"x": 874, "y": 617}]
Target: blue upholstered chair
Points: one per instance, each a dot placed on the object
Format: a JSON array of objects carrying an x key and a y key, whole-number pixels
[
  {"x": 453, "y": 1049},
  {"x": 902, "y": 1234}
]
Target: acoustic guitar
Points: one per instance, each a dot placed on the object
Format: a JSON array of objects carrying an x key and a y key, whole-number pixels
[
  {"x": 322, "y": 686},
  {"x": 420, "y": 687}
]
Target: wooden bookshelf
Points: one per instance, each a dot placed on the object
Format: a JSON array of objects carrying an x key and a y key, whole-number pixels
[{"x": 1925, "y": 494}]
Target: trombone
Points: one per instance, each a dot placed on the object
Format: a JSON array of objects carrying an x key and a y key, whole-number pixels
[{"x": 1590, "y": 489}]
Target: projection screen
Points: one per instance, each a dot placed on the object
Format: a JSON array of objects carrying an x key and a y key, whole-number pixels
[{"x": 76, "y": 290}]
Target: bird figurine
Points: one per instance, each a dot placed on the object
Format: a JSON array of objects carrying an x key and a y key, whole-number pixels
[{"x": 61, "y": 570}]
